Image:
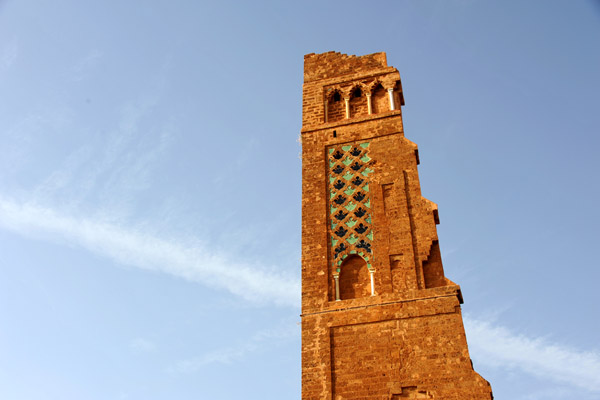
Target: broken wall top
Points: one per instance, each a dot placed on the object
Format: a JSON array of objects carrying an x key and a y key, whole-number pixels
[{"x": 332, "y": 64}]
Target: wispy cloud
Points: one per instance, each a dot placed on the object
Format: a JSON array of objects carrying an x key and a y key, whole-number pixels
[
  {"x": 83, "y": 66},
  {"x": 285, "y": 331},
  {"x": 142, "y": 345},
  {"x": 219, "y": 356},
  {"x": 9, "y": 54},
  {"x": 490, "y": 343},
  {"x": 497, "y": 346},
  {"x": 110, "y": 169},
  {"x": 192, "y": 260}
]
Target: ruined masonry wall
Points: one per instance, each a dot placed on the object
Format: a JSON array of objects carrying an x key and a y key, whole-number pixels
[{"x": 379, "y": 318}]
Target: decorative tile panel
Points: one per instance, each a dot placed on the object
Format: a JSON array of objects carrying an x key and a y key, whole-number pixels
[{"x": 350, "y": 230}]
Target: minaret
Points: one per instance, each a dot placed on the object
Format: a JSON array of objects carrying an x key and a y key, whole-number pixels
[{"x": 379, "y": 318}]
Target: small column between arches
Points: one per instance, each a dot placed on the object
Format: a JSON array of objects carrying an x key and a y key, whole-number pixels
[
  {"x": 391, "y": 95},
  {"x": 372, "y": 273},
  {"x": 347, "y": 102}
]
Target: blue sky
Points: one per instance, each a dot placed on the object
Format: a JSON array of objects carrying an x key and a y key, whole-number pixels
[{"x": 150, "y": 188}]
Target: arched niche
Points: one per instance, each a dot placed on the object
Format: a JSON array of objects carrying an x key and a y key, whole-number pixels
[
  {"x": 354, "y": 278},
  {"x": 379, "y": 99},
  {"x": 358, "y": 102},
  {"x": 336, "y": 107},
  {"x": 433, "y": 271}
]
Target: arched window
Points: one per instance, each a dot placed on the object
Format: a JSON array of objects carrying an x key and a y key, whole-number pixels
[
  {"x": 379, "y": 100},
  {"x": 354, "y": 278},
  {"x": 336, "y": 109},
  {"x": 358, "y": 103}
]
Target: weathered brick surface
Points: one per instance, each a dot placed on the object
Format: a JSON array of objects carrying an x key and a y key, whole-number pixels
[{"x": 406, "y": 340}]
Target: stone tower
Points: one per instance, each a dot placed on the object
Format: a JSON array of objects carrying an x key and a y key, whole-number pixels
[{"x": 379, "y": 318}]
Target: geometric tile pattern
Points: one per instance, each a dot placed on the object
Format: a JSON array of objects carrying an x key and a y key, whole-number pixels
[{"x": 350, "y": 227}]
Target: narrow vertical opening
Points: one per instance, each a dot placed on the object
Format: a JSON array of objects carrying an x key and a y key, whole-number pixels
[
  {"x": 433, "y": 271},
  {"x": 387, "y": 200},
  {"x": 379, "y": 100},
  {"x": 336, "y": 109},
  {"x": 358, "y": 103}
]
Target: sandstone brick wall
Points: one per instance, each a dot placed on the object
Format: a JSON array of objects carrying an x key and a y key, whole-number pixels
[{"x": 405, "y": 339}]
